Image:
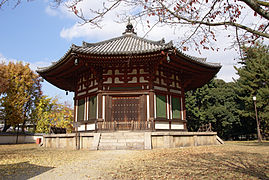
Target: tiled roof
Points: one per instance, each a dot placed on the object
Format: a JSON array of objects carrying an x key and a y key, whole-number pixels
[
  {"x": 198, "y": 60},
  {"x": 127, "y": 44}
]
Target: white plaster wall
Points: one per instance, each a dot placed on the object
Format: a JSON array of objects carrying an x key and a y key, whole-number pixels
[
  {"x": 161, "y": 125},
  {"x": 81, "y": 127},
  {"x": 90, "y": 127},
  {"x": 11, "y": 139},
  {"x": 177, "y": 126}
]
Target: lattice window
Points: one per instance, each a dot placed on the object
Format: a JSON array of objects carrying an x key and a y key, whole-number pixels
[
  {"x": 92, "y": 107},
  {"x": 161, "y": 106},
  {"x": 81, "y": 109},
  {"x": 176, "y": 107}
]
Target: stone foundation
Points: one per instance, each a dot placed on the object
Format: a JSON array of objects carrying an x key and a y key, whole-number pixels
[{"x": 130, "y": 140}]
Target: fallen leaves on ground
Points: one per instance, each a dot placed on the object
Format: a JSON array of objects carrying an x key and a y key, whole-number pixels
[{"x": 243, "y": 160}]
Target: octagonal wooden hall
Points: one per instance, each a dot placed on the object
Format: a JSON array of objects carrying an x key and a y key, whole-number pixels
[{"x": 129, "y": 83}]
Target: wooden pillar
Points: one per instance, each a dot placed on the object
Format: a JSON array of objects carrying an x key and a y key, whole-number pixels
[
  {"x": 169, "y": 111},
  {"x": 184, "y": 109},
  {"x": 151, "y": 108},
  {"x": 75, "y": 109},
  {"x": 152, "y": 70},
  {"x": 100, "y": 107}
]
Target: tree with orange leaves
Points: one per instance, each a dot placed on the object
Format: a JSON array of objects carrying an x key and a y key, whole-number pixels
[{"x": 22, "y": 90}]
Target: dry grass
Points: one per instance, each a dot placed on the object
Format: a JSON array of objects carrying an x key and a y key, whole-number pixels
[
  {"x": 234, "y": 160},
  {"x": 231, "y": 161},
  {"x": 23, "y": 161}
]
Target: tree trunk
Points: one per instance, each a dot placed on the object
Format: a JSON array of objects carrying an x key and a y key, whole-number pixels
[
  {"x": 22, "y": 126},
  {"x": 6, "y": 127},
  {"x": 34, "y": 129},
  {"x": 17, "y": 138}
]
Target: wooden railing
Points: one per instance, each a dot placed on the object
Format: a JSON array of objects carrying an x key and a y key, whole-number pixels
[
  {"x": 205, "y": 128},
  {"x": 114, "y": 125}
]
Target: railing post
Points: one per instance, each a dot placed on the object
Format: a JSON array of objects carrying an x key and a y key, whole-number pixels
[
  {"x": 152, "y": 125},
  {"x": 96, "y": 125}
]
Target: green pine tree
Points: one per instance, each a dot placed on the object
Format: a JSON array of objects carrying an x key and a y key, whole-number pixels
[
  {"x": 254, "y": 80},
  {"x": 214, "y": 103}
]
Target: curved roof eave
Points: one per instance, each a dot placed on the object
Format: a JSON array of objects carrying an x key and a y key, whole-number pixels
[
  {"x": 57, "y": 63},
  {"x": 200, "y": 61},
  {"x": 103, "y": 48}
]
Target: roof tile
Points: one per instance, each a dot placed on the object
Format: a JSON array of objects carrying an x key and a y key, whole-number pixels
[{"x": 126, "y": 44}]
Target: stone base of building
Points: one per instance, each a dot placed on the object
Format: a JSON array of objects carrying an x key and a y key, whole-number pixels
[{"x": 130, "y": 140}]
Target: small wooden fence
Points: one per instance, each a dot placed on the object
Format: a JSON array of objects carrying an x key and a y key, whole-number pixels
[
  {"x": 205, "y": 128},
  {"x": 114, "y": 125}
]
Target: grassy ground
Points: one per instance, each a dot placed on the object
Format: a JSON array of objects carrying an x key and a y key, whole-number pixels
[{"x": 234, "y": 160}]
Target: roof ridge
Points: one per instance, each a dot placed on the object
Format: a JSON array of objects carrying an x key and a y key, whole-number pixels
[{"x": 160, "y": 42}]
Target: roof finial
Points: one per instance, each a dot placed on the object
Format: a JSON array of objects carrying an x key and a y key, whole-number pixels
[{"x": 129, "y": 28}]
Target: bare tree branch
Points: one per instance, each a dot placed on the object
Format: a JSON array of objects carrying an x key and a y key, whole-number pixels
[
  {"x": 99, "y": 14},
  {"x": 255, "y": 6},
  {"x": 225, "y": 23},
  {"x": 2, "y": 3},
  {"x": 263, "y": 3},
  {"x": 196, "y": 29}
]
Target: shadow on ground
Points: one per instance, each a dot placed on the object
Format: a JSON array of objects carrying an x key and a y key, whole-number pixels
[
  {"x": 254, "y": 144},
  {"x": 236, "y": 162},
  {"x": 21, "y": 171},
  {"x": 206, "y": 165}
]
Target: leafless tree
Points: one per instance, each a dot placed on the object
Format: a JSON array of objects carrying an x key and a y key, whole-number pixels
[{"x": 243, "y": 21}]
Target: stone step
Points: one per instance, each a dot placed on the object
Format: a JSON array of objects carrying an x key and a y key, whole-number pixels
[
  {"x": 121, "y": 146},
  {"x": 122, "y": 140},
  {"x": 108, "y": 140},
  {"x": 131, "y": 140},
  {"x": 113, "y": 144},
  {"x": 123, "y": 137},
  {"x": 119, "y": 134},
  {"x": 107, "y": 148}
]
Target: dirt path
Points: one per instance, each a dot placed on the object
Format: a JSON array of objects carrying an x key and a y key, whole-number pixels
[
  {"x": 236, "y": 160},
  {"x": 102, "y": 167}
]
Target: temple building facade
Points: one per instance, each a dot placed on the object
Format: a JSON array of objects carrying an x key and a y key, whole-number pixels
[{"x": 129, "y": 83}]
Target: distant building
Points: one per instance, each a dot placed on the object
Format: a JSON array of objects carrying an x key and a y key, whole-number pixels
[{"x": 129, "y": 83}]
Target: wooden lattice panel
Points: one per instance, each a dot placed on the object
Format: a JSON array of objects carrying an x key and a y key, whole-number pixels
[
  {"x": 167, "y": 78},
  {"x": 135, "y": 75},
  {"x": 86, "y": 82},
  {"x": 124, "y": 110}
]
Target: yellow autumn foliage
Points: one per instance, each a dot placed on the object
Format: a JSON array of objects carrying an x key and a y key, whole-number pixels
[{"x": 52, "y": 113}]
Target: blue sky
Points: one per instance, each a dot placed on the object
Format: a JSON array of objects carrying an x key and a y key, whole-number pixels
[
  {"x": 36, "y": 34},
  {"x": 31, "y": 35}
]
